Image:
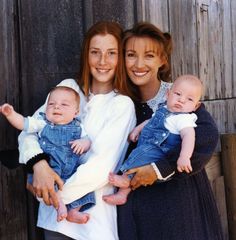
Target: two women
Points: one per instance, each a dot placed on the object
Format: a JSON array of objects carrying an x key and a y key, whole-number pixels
[{"x": 180, "y": 206}]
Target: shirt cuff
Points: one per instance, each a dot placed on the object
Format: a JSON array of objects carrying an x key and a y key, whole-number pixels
[
  {"x": 26, "y": 124},
  {"x": 39, "y": 157},
  {"x": 158, "y": 173}
]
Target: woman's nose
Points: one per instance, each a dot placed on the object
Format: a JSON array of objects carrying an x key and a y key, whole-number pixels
[
  {"x": 102, "y": 59},
  {"x": 139, "y": 62}
]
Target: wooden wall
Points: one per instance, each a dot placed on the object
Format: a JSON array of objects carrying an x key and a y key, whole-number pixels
[
  {"x": 40, "y": 45},
  {"x": 204, "y": 35},
  {"x": 9, "y": 68}
]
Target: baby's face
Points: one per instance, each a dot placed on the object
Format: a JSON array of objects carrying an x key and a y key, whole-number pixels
[
  {"x": 62, "y": 107},
  {"x": 184, "y": 97}
]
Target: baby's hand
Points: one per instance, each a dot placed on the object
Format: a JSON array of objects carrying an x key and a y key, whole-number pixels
[
  {"x": 6, "y": 109},
  {"x": 80, "y": 146},
  {"x": 184, "y": 164},
  {"x": 133, "y": 136}
]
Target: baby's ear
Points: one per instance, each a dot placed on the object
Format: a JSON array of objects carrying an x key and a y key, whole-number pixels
[{"x": 77, "y": 111}]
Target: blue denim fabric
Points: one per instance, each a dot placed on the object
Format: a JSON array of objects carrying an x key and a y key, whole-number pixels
[
  {"x": 54, "y": 140},
  {"x": 155, "y": 141}
]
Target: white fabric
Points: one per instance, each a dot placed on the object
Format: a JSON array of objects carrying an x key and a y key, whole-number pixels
[
  {"x": 34, "y": 125},
  {"x": 160, "y": 96},
  {"x": 175, "y": 123},
  {"x": 108, "y": 119}
]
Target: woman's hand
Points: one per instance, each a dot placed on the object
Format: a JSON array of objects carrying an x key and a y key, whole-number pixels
[
  {"x": 44, "y": 179},
  {"x": 144, "y": 176}
]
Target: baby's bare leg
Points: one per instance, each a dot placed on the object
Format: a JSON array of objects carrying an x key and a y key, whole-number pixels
[
  {"x": 121, "y": 181},
  {"x": 75, "y": 216},
  {"x": 118, "y": 198}
]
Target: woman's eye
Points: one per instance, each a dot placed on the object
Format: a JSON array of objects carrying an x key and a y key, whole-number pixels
[
  {"x": 112, "y": 53},
  {"x": 93, "y": 52},
  {"x": 150, "y": 56},
  {"x": 190, "y": 99},
  {"x": 130, "y": 55}
]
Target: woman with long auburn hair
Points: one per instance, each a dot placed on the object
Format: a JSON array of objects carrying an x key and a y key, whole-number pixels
[{"x": 108, "y": 116}]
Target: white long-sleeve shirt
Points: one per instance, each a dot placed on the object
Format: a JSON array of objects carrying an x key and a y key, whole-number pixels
[{"x": 108, "y": 119}]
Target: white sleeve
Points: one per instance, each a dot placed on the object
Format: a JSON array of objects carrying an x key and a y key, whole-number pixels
[
  {"x": 28, "y": 142},
  {"x": 33, "y": 125},
  {"x": 175, "y": 123},
  {"x": 106, "y": 151}
]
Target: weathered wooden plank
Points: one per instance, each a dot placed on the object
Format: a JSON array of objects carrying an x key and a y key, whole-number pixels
[
  {"x": 13, "y": 210},
  {"x": 227, "y": 77},
  {"x": 120, "y": 11},
  {"x": 182, "y": 18},
  {"x": 154, "y": 11},
  {"x": 223, "y": 111},
  {"x": 210, "y": 46},
  {"x": 233, "y": 29},
  {"x": 228, "y": 142},
  {"x": 51, "y": 36},
  {"x": 9, "y": 72}
]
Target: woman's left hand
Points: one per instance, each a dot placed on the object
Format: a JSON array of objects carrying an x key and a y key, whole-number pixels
[{"x": 144, "y": 176}]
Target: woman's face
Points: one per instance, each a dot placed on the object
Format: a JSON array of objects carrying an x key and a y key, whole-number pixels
[
  {"x": 142, "y": 59},
  {"x": 103, "y": 59}
]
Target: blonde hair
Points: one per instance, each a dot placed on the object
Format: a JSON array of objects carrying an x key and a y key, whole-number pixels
[
  {"x": 189, "y": 78},
  {"x": 68, "y": 89}
]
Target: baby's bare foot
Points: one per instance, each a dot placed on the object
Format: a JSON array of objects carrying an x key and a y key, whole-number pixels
[
  {"x": 121, "y": 181},
  {"x": 61, "y": 211},
  {"x": 77, "y": 217},
  {"x": 118, "y": 198}
]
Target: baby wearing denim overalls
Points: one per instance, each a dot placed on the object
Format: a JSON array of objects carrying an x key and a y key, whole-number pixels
[
  {"x": 155, "y": 141},
  {"x": 62, "y": 141},
  {"x": 54, "y": 140},
  {"x": 171, "y": 128},
  {"x": 60, "y": 138}
]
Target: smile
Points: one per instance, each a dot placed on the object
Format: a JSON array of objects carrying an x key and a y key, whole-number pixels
[
  {"x": 103, "y": 70},
  {"x": 140, "y": 74}
]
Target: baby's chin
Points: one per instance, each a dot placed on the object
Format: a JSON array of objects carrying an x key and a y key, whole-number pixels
[{"x": 59, "y": 122}]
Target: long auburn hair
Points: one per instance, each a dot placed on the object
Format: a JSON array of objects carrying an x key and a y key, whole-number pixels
[
  {"x": 164, "y": 43},
  {"x": 120, "y": 78}
]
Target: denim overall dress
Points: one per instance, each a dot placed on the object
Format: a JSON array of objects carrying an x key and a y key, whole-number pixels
[
  {"x": 155, "y": 141},
  {"x": 54, "y": 140}
]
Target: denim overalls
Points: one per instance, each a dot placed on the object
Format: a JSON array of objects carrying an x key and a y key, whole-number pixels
[
  {"x": 155, "y": 141},
  {"x": 54, "y": 140}
]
